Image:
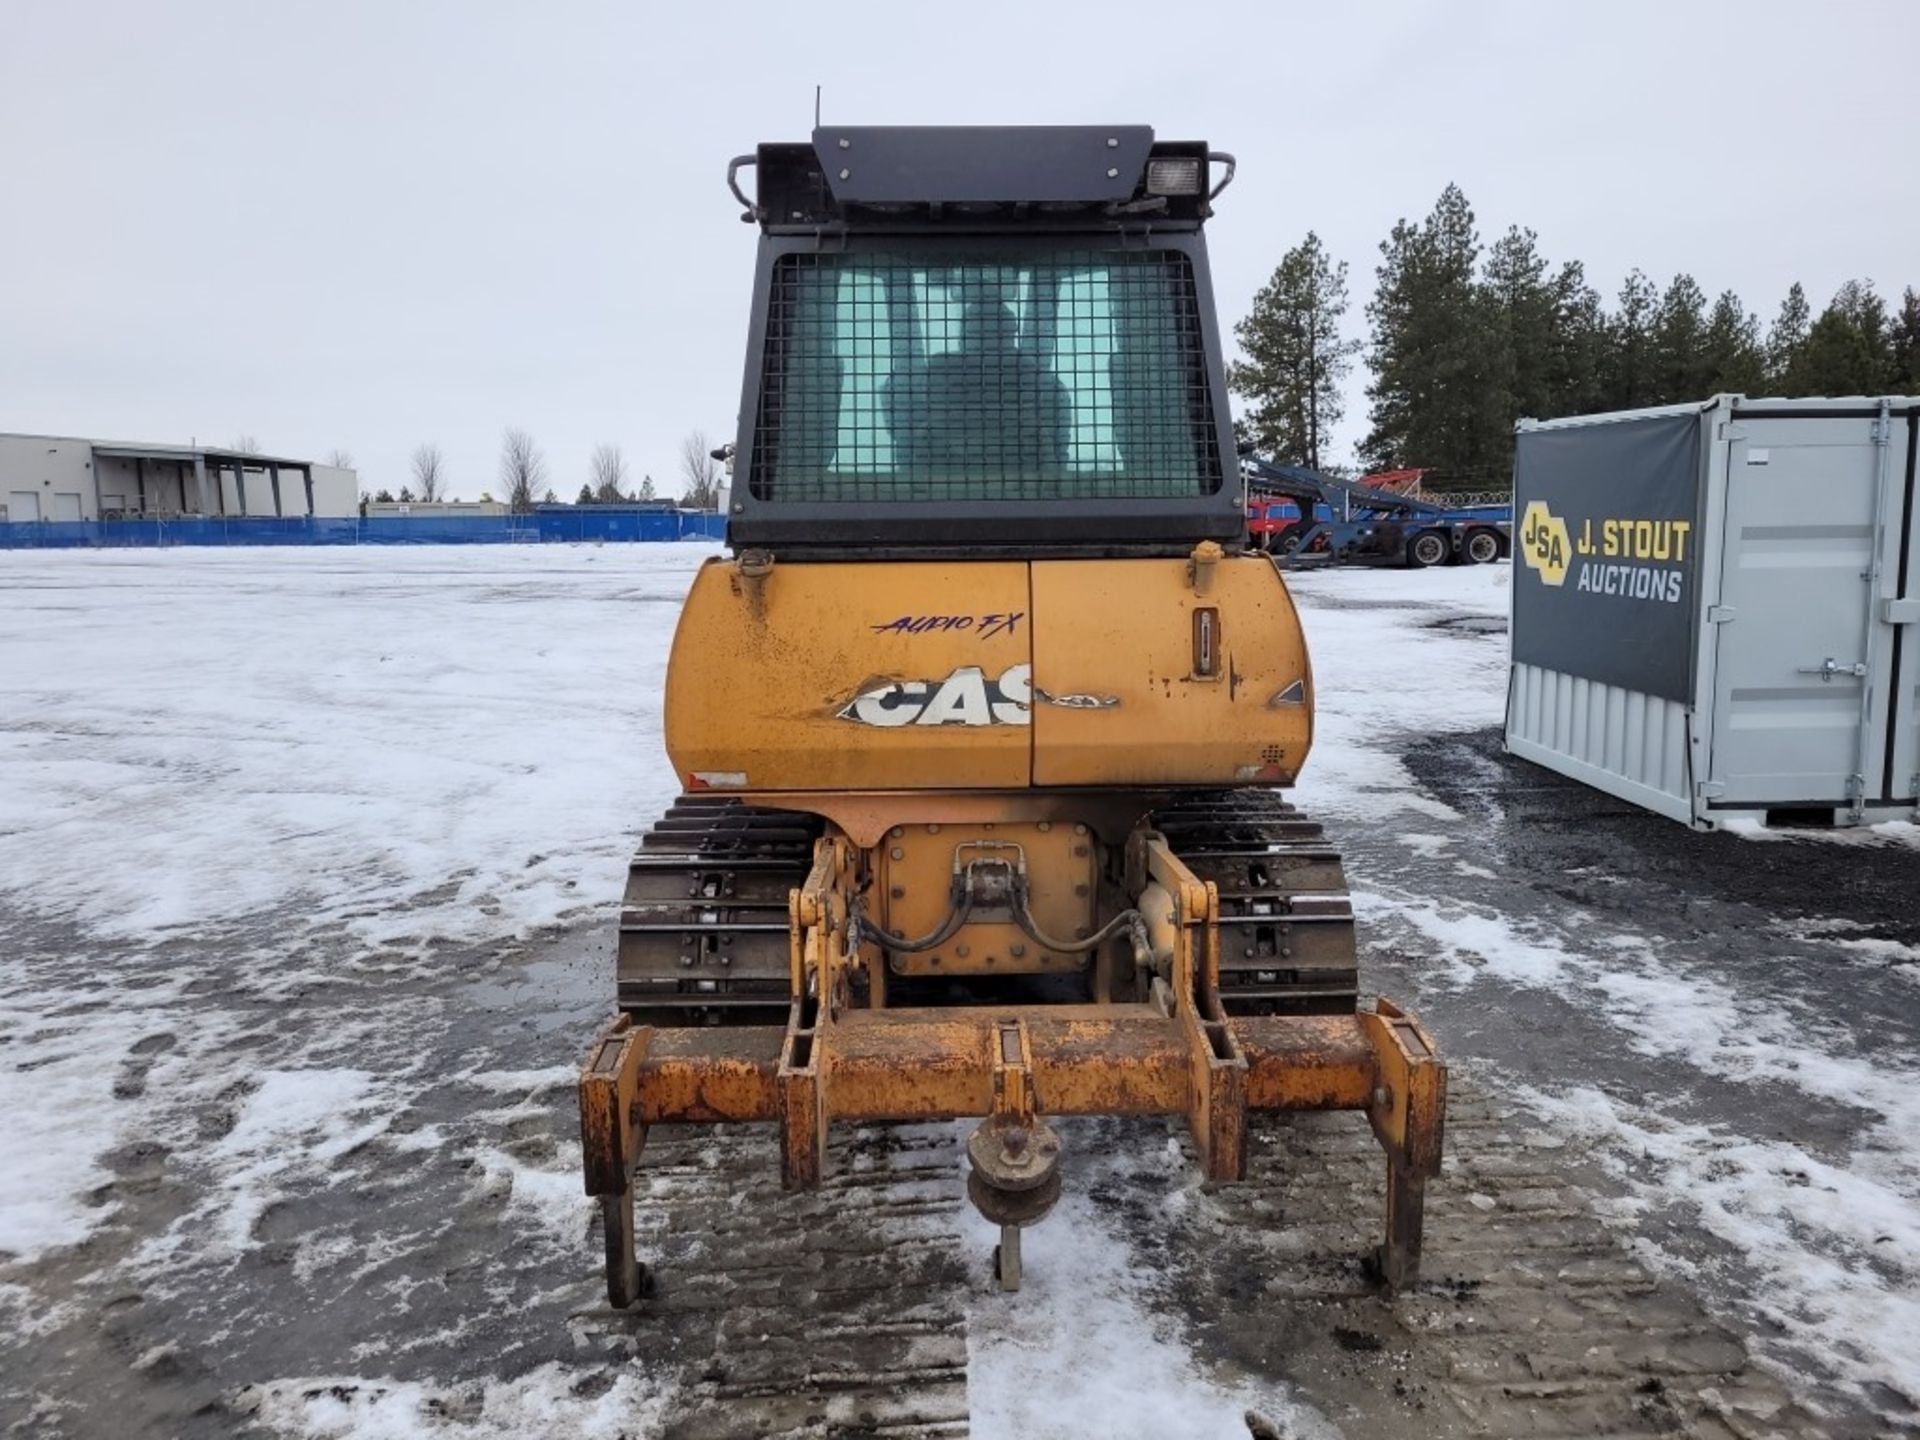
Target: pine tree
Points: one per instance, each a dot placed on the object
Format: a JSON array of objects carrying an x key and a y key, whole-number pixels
[
  {"x": 1903, "y": 346},
  {"x": 1847, "y": 350},
  {"x": 1577, "y": 352},
  {"x": 1861, "y": 304},
  {"x": 1786, "y": 338},
  {"x": 1522, "y": 312},
  {"x": 1295, "y": 355},
  {"x": 406, "y": 494},
  {"x": 1738, "y": 364},
  {"x": 1630, "y": 361},
  {"x": 645, "y": 491},
  {"x": 585, "y": 497},
  {"x": 383, "y": 496},
  {"x": 1682, "y": 369},
  {"x": 1834, "y": 361},
  {"x": 1431, "y": 403},
  {"x": 1393, "y": 314}
]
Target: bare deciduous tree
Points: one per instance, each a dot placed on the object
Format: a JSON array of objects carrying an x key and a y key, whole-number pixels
[
  {"x": 523, "y": 470},
  {"x": 609, "y": 475},
  {"x": 339, "y": 459},
  {"x": 246, "y": 445},
  {"x": 699, "y": 472},
  {"x": 428, "y": 468}
]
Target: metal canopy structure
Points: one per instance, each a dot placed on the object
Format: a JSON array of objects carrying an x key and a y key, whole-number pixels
[
  {"x": 980, "y": 177},
  {"x": 206, "y": 462},
  {"x": 883, "y": 165}
]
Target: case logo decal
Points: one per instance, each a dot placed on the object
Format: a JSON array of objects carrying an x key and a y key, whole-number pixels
[{"x": 966, "y": 697}]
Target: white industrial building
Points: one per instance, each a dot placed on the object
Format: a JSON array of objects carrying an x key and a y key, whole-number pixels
[{"x": 60, "y": 477}]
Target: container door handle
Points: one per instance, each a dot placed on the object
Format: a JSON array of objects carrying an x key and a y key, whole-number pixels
[{"x": 1831, "y": 667}]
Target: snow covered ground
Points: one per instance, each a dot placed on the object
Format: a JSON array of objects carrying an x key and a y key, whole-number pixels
[
  {"x": 398, "y": 749},
  {"x": 338, "y": 729},
  {"x": 293, "y": 848},
  {"x": 1820, "y": 1235}
]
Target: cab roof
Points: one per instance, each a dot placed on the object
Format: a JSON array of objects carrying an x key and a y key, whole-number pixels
[{"x": 979, "y": 176}]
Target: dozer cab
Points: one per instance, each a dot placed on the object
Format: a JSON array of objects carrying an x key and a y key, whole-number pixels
[{"x": 985, "y": 725}]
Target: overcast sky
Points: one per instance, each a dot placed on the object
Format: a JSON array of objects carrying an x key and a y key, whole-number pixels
[{"x": 368, "y": 223}]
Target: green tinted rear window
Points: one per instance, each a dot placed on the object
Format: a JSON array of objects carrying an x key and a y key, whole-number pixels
[{"x": 1071, "y": 375}]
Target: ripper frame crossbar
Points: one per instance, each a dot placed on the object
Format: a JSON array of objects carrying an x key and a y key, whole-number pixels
[{"x": 1013, "y": 1066}]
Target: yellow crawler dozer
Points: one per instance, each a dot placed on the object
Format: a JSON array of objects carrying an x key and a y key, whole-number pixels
[{"x": 984, "y": 725}]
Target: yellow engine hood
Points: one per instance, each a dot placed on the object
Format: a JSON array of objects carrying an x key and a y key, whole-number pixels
[{"x": 987, "y": 675}]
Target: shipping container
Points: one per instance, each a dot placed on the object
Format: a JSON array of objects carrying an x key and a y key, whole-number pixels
[{"x": 1714, "y": 610}]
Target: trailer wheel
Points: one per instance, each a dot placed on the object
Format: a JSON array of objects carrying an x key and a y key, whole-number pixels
[
  {"x": 1483, "y": 546},
  {"x": 1427, "y": 549}
]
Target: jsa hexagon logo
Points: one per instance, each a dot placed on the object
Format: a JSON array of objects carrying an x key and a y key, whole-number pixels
[{"x": 1544, "y": 543}]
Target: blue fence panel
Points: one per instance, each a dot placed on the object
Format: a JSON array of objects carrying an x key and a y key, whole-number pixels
[
  {"x": 590, "y": 525},
  {"x": 561, "y": 527},
  {"x": 335, "y": 530},
  {"x": 130, "y": 535},
  {"x": 49, "y": 534},
  {"x": 446, "y": 529}
]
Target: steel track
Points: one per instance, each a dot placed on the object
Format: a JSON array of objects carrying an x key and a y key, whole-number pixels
[{"x": 703, "y": 929}]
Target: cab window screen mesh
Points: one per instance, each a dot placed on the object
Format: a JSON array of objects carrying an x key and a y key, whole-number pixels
[{"x": 1073, "y": 375}]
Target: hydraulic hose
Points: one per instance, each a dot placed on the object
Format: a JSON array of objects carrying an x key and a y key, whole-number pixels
[
  {"x": 1126, "y": 919},
  {"x": 865, "y": 924},
  {"x": 1131, "y": 921}
]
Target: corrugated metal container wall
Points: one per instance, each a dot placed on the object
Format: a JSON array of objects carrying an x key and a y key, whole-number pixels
[
  {"x": 1625, "y": 742},
  {"x": 1712, "y": 613}
]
